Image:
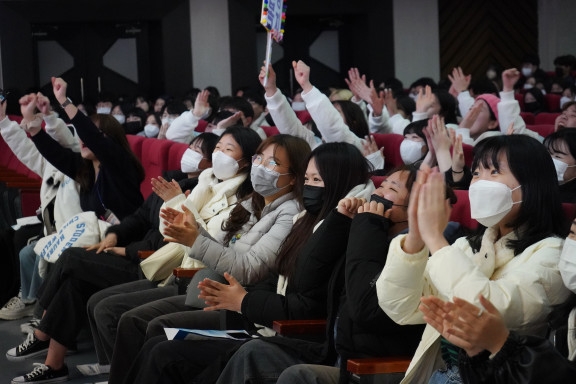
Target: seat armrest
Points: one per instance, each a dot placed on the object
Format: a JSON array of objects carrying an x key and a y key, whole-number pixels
[
  {"x": 299, "y": 327},
  {"x": 372, "y": 366},
  {"x": 186, "y": 273},
  {"x": 145, "y": 254}
]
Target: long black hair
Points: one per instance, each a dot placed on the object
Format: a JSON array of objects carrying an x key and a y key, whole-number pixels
[
  {"x": 297, "y": 150},
  {"x": 540, "y": 214},
  {"x": 342, "y": 167}
]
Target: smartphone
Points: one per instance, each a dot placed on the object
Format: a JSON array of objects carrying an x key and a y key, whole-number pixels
[
  {"x": 387, "y": 203},
  {"x": 238, "y": 335}
]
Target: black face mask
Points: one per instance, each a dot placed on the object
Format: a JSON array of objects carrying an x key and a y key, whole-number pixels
[
  {"x": 559, "y": 72},
  {"x": 133, "y": 127},
  {"x": 532, "y": 107},
  {"x": 313, "y": 198}
]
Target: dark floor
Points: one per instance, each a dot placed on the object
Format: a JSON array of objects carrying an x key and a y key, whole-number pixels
[{"x": 10, "y": 336}]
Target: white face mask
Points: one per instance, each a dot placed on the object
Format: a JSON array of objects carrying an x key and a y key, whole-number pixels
[
  {"x": 190, "y": 161},
  {"x": 561, "y": 168},
  {"x": 103, "y": 110},
  {"x": 564, "y": 100},
  {"x": 528, "y": 86},
  {"x": 151, "y": 130},
  {"x": 491, "y": 74},
  {"x": 121, "y": 118},
  {"x": 411, "y": 151},
  {"x": 298, "y": 106},
  {"x": 526, "y": 71},
  {"x": 224, "y": 166},
  {"x": 490, "y": 201},
  {"x": 413, "y": 96}
]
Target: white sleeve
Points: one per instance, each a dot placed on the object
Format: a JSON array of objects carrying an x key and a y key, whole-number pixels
[
  {"x": 567, "y": 264},
  {"x": 398, "y": 123},
  {"x": 182, "y": 128},
  {"x": 22, "y": 146},
  {"x": 465, "y": 102},
  {"x": 508, "y": 112},
  {"x": 328, "y": 119},
  {"x": 59, "y": 131},
  {"x": 379, "y": 124},
  {"x": 417, "y": 116},
  {"x": 286, "y": 120}
]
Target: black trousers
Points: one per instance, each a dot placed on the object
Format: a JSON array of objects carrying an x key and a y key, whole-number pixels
[{"x": 73, "y": 279}]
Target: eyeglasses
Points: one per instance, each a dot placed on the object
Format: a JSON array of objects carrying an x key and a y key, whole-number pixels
[{"x": 269, "y": 163}]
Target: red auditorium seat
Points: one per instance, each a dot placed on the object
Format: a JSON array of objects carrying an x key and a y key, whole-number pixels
[
  {"x": 528, "y": 117},
  {"x": 135, "y": 142},
  {"x": 546, "y": 118},
  {"x": 201, "y": 127},
  {"x": 303, "y": 116},
  {"x": 154, "y": 160},
  {"x": 520, "y": 99},
  {"x": 461, "y": 210},
  {"x": 270, "y": 131},
  {"x": 175, "y": 155},
  {"x": 553, "y": 102},
  {"x": 391, "y": 143},
  {"x": 542, "y": 129}
]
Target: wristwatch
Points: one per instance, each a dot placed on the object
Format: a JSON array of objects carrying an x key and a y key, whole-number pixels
[{"x": 66, "y": 103}]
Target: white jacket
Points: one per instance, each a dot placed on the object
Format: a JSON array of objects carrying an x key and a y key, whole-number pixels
[
  {"x": 524, "y": 288},
  {"x": 67, "y": 203},
  {"x": 182, "y": 128},
  {"x": 327, "y": 118}
]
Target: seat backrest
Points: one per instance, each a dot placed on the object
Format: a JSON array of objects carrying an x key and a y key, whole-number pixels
[
  {"x": 542, "y": 129},
  {"x": 303, "y": 116},
  {"x": 154, "y": 160},
  {"x": 552, "y": 102},
  {"x": 135, "y": 142},
  {"x": 520, "y": 99},
  {"x": 468, "y": 154},
  {"x": 201, "y": 127},
  {"x": 391, "y": 143},
  {"x": 528, "y": 117},
  {"x": 546, "y": 118},
  {"x": 461, "y": 210},
  {"x": 270, "y": 131},
  {"x": 175, "y": 155}
]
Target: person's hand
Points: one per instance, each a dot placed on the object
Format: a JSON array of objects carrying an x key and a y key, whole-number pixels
[
  {"x": 460, "y": 82},
  {"x": 425, "y": 99},
  {"x": 433, "y": 211},
  {"x": 118, "y": 251},
  {"x": 109, "y": 241},
  {"x": 270, "y": 86},
  {"x": 458, "y": 160},
  {"x": 438, "y": 134},
  {"x": 374, "y": 207},
  {"x": 509, "y": 78},
  {"x": 465, "y": 325},
  {"x": 28, "y": 107},
  {"x": 43, "y": 104},
  {"x": 413, "y": 242},
  {"x": 171, "y": 216},
  {"x": 59, "y": 87},
  {"x": 357, "y": 85},
  {"x": 390, "y": 101},
  {"x": 232, "y": 120},
  {"x": 166, "y": 190},
  {"x": 162, "y": 132},
  {"x": 222, "y": 296},
  {"x": 510, "y": 130},
  {"x": 369, "y": 146},
  {"x": 377, "y": 100},
  {"x": 201, "y": 106},
  {"x": 302, "y": 74},
  {"x": 348, "y": 206},
  {"x": 3, "y": 106},
  {"x": 470, "y": 118},
  {"x": 184, "y": 231}
]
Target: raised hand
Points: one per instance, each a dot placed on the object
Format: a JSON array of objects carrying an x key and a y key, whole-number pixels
[
  {"x": 374, "y": 207},
  {"x": 43, "y": 103},
  {"x": 270, "y": 86},
  {"x": 390, "y": 101},
  {"x": 232, "y": 120},
  {"x": 458, "y": 160},
  {"x": 425, "y": 99},
  {"x": 201, "y": 106},
  {"x": 28, "y": 106},
  {"x": 165, "y": 189},
  {"x": 414, "y": 242},
  {"x": 357, "y": 84},
  {"x": 369, "y": 146},
  {"x": 509, "y": 78},
  {"x": 460, "y": 82},
  {"x": 302, "y": 74},
  {"x": 348, "y": 206},
  {"x": 59, "y": 87},
  {"x": 470, "y": 118},
  {"x": 433, "y": 211},
  {"x": 222, "y": 296}
]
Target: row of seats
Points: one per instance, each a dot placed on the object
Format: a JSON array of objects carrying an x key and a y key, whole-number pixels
[
  {"x": 552, "y": 101},
  {"x": 541, "y": 118}
]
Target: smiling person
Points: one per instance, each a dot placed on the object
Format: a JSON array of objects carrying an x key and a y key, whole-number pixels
[
  {"x": 512, "y": 260},
  {"x": 562, "y": 147},
  {"x": 567, "y": 118}
]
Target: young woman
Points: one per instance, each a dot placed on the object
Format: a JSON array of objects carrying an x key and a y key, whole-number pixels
[
  {"x": 211, "y": 200},
  {"x": 109, "y": 175},
  {"x": 305, "y": 267},
  {"x": 414, "y": 147},
  {"x": 245, "y": 244},
  {"x": 512, "y": 260},
  {"x": 562, "y": 147}
]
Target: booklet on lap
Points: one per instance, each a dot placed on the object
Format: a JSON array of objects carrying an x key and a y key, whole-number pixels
[{"x": 195, "y": 334}]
